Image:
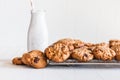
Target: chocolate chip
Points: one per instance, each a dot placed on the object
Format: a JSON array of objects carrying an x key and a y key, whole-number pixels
[
  {"x": 19, "y": 58},
  {"x": 78, "y": 45},
  {"x": 85, "y": 55},
  {"x": 90, "y": 49},
  {"x": 36, "y": 59}
]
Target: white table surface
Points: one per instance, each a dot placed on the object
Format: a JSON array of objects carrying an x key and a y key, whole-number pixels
[{"x": 8, "y": 71}]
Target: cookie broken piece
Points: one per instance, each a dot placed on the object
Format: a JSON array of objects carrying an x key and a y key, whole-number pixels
[
  {"x": 17, "y": 61},
  {"x": 82, "y": 54},
  {"x": 34, "y": 59}
]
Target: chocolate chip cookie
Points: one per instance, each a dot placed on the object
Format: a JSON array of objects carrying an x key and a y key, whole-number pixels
[
  {"x": 82, "y": 54},
  {"x": 103, "y": 53},
  {"x": 116, "y": 48},
  {"x": 17, "y": 61},
  {"x": 35, "y": 59},
  {"x": 71, "y": 43},
  {"x": 58, "y": 52},
  {"x": 113, "y": 43}
]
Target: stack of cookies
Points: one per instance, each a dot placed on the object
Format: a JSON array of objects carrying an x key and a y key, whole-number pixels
[{"x": 65, "y": 49}]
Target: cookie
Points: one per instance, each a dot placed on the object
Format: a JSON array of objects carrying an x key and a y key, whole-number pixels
[
  {"x": 116, "y": 48},
  {"x": 58, "y": 52},
  {"x": 103, "y": 53},
  {"x": 82, "y": 54},
  {"x": 71, "y": 43},
  {"x": 113, "y": 43},
  {"x": 17, "y": 61},
  {"x": 92, "y": 46},
  {"x": 34, "y": 59}
]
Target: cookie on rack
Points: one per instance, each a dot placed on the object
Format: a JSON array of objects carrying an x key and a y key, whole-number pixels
[
  {"x": 92, "y": 46},
  {"x": 67, "y": 41},
  {"x": 114, "y": 42},
  {"x": 115, "y": 45},
  {"x": 116, "y": 48},
  {"x": 17, "y": 61},
  {"x": 82, "y": 54},
  {"x": 34, "y": 58},
  {"x": 58, "y": 52},
  {"x": 71, "y": 43},
  {"x": 103, "y": 53}
]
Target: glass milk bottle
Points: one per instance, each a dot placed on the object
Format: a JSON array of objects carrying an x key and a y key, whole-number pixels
[{"x": 37, "y": 33}]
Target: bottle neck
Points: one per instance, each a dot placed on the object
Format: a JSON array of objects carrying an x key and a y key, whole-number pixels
[
  {"x": 38, "y": 14},
  {"x": 38, "y": 18}
]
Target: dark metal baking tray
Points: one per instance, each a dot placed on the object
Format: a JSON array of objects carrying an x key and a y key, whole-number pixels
[{"x": 92, "y": 62}]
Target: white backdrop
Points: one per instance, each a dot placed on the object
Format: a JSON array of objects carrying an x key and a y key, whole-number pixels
[{"x": 88, "y": 20}]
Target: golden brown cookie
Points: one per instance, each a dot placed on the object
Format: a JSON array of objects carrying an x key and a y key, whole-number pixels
[
  {"x": 116, "y": 48},
  {"x": 35, "y": 59},
  {"x": 71, "y": 43},
  {"x": 103, "y": 53},
  {"x": 17, "y": 61},
  {"x": 58, "y": 52},
  {"x": 113, "y": 43},
  {"x": 82, "y": 54}
]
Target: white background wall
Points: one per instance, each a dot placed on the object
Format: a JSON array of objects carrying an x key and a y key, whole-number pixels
[{"x": 88, "y": 20}]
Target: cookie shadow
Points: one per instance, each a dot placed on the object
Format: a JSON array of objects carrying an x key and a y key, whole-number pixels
[{"x": 8, "y": 64}]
